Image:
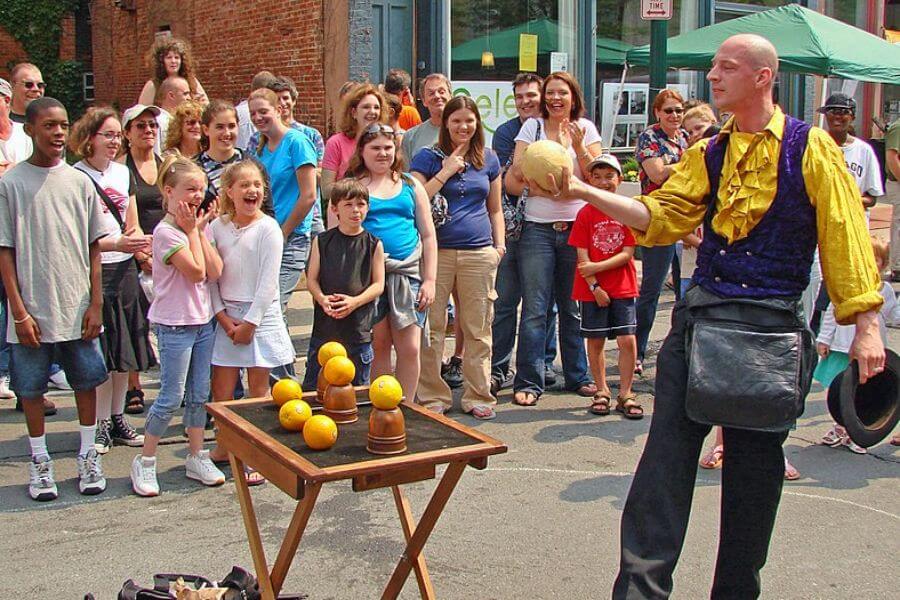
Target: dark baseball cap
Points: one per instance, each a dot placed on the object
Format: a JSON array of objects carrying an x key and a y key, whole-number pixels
[{"x": 839, "y": 101}]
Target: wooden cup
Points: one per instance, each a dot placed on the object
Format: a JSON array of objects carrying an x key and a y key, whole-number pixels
[
  {"x": 387, "y": 432},
  {"x": 321, "y": 386},
  {"x": 340, "y": 404}
]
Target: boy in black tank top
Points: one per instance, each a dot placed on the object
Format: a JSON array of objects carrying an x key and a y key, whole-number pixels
[{"x": 345, "y": 276}]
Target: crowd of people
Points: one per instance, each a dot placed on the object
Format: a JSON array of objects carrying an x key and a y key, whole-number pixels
[{"x": 183, "y": 230}]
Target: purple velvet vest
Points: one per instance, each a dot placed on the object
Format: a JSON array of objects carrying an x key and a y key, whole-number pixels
[{"x": 774, "y": 260}]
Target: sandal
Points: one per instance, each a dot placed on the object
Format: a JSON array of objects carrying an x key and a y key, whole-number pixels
[
  {"x": 638, "y": 368},
  {"x": 790, "y": 472},
  {"x": 483, "y": 412},
  {"x": 628, "y": 406},
  {"x": 834, "y": 436},
  {"x": 713, "y": 458},
  {"x": 895, "y": 441},
  {"x": 525, "y": 399},
  {"x": 252, "y": 476},
  {"x": 600, "y": 404},
  {"x": 134, "y": 401}
]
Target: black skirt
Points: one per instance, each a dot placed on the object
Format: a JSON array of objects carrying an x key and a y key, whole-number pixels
[{"x": 125, "y": 340}]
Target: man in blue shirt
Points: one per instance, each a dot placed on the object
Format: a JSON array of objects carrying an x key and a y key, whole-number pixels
[{"x": 527, "y": 94}]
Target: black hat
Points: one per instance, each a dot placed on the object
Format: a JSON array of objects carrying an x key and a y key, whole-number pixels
[
  {"x": 868, "y": 412},
  {"x": 839, "y": 101}
]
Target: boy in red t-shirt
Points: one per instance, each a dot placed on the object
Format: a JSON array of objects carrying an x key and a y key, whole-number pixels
[{"x": 606, "y": 287}]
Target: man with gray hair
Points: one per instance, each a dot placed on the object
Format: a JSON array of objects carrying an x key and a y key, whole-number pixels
[
  {"x": 768, "y": 189},
  {"x": 435, "y": 93}
]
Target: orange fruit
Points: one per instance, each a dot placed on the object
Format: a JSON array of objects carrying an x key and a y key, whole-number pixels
[
  {"x": 285, "y": 390},
  {"x": 329, "y": 350},
  {"x": 339, "y": 370},
  {"x": 320, "y": 432},
  {"x": 385, "y": 392},
  {"x": 293, "y": 414}
]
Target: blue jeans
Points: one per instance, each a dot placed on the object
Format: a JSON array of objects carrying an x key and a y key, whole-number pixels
[
  {"x": 509, "y": 295},
  {"x": 360, "y": 354},
  {"x": 549, "y": 267},
  {"x": 293, "y": 263},
  {"x": 185, "y": 353},
  {"x": 655, "y": 263}
]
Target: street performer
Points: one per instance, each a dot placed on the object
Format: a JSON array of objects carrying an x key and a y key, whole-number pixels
[{"x": 767, "y": 189}]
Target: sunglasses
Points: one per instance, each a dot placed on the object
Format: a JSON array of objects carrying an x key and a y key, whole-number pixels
[
  {"x": 147, "y": 125},
  {"x": 839, "y": 111},
  {"x": 30, "y": 85},
  {"x": 676, "y": 110},
  {"x": 376, "y": 129},
  {"x": 110, "y": 135}
]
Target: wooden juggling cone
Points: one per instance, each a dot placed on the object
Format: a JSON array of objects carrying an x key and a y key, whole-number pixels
[
  {"x": 321, "y": 386},
  {"x": 340, "y": 404},
  {"x": 387, "y": 431}
]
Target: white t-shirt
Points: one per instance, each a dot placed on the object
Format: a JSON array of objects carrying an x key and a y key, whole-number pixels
[
  {"x": 863, "y": 166},
  {"x": 246, "y": 128},
  {"x": 547, "y": 210},
  {"x": 163, "y": 120},
  {"x": 18, "y": 147},
  {"x": 119, "y": 186},
  {"x": 251, "y": 259}
]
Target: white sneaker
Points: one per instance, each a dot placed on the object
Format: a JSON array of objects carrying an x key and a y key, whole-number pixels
[
  {"x": 41, "y": 486},
  {"x": 201, "y": 468},
  {"x": 5, "y": 392},
  {"x": 59, "y": 381},
  {"x": 143, "y": 476},
  {"x": 90, "y": 473}
]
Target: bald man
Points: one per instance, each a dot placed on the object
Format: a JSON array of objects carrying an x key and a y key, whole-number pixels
[
  {"x": 172, "y": 92},
  {"x": 767, "y": 189}
]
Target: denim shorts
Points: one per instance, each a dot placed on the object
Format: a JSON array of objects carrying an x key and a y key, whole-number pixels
[
  {"x": 617, "y": 319},
  {"x": 382, "y": 305},
  {"x": 29, "y": 368}
]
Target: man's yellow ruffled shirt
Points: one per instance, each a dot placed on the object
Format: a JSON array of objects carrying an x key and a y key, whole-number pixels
[{"x": 747, "y": 188}]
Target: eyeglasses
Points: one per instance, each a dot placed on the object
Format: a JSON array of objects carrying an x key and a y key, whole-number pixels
[
  {"x": 110, "y": 135},
  {"x": 147, "y": 125},
  {"x": 677, "y": 110},
  {"x": 377, "y": 128},
  {"x": 30, "y": 85},
  {"x": 839, "y": 111}
]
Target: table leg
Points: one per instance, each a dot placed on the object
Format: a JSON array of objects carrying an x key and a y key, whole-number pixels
[
  {"x": 426, "y": 589},
  {"x": 256, "y": 547},
  {"x": 423, "y": 529},
  {"x": 293, "y": 535}
]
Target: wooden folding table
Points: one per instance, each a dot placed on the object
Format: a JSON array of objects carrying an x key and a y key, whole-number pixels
[{"x": 249, "y": 431}]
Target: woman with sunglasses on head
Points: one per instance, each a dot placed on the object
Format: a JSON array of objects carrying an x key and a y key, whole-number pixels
[
  {"x": 361, "y": 107},
  {"x": 471, "y": 242},
  {"x": 549, "y": 265},
  {"x": 124, "y": 341},
  {"x": 170, "y": 57},
  {"x": 400, "y": 216},
  {"x": 184, "y": 133},
  {"x": 659, "y": 148},
  {"x": 140, "y": 132}
]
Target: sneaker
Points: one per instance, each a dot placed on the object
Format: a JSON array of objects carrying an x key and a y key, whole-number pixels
[
  {"x": 49, "y": 407},
  {"x": 453, "y": 373},
  {"x": 853, "y": 446},
  {"x": 5, "y": 392},
  {"x": 549, "y": 375},
  {"x": 143, "y": 476},
  {"x": 41, "y": 486},
  {"x": 123, "y": 433},
  {"x": 58, "y": 380},
  {"x": 834, "y": 437},
  {"x": 103, "y": 437},
  {"x": 90, "y": 473},
  {"x": 201, "y": 468}
]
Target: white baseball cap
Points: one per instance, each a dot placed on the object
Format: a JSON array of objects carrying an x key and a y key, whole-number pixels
[
  {"x": 135, "y": 111},
  {"x": 607, "y": 160},
  {"x": 5, "y": 88}
]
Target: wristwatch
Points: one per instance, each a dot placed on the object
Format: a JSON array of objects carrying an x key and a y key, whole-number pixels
[{"x": 595, "y": 286}]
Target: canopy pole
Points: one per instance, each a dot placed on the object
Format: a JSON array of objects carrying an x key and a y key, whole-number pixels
[
  {"x": 617, "y": 106},
  {"x": 658, "y": 41}
]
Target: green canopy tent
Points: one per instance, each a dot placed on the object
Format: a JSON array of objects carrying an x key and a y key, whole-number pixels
[
  {"x": 807, "y": 42},
  {"x": 505, "y": 43}
]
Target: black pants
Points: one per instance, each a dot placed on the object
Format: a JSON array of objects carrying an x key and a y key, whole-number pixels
[{"x": 659, "y": 502}]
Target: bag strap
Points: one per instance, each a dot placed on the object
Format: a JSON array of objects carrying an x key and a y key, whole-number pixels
[{"x": 110, "y": 205}]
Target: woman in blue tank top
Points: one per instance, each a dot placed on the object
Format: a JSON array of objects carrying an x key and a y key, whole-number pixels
[{"x": 400, "y": 216}]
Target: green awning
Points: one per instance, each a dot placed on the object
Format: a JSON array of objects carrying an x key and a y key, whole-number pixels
[
  {"x": 505, "y": 43},
  {"x": 807, "y": 42}
]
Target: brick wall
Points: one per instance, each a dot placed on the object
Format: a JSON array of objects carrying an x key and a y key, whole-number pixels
[
  {"x": 360, "y": 40},
  {"x": 11, "y": 52},
  {"x": 67, "y": 39},
  {"x": 231, "y": 40}
]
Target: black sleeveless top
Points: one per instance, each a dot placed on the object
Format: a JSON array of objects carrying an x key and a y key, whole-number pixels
[
  {"x": 149, "y": 198},
  {"x": 345, "y": 267}
]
